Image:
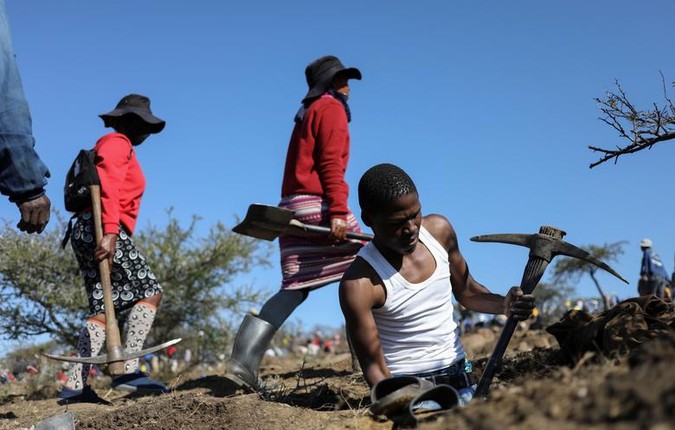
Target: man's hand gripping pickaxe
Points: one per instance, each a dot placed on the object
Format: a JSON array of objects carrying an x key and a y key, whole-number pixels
[{"x": 543, "y": 247}]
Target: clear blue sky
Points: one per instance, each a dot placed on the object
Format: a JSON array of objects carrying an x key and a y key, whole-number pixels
[{"x": 488, "y": 105}]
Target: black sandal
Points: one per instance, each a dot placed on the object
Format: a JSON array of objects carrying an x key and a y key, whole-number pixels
[
  {"x": 427, "y": 405},
  {"x": 392, "y": 395}
]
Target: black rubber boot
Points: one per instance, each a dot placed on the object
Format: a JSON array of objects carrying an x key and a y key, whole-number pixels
[{"x": 252, "y": 339}]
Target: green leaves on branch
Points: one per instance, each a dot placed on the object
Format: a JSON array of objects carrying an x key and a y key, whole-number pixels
[
  {"x": 42, "y": 291},
  {"x": 198, "y": 274}
]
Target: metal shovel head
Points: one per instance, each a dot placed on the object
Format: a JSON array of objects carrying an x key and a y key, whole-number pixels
[
  {"x": 103, "y": 358},
  {"x": 264, "y": 221}
]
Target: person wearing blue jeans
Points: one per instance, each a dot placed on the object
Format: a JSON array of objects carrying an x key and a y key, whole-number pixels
[
  {"x": 23, "y": 175},
  {"x": 396, "y": 296}
]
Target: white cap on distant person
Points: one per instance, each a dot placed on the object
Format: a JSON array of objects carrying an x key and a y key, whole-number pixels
[{"x": 646, "y": 243}]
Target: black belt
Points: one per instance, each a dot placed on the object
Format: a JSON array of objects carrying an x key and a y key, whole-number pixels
[
  {"x": 455, "y": 375},
  {"x": 458, "y": 382}
]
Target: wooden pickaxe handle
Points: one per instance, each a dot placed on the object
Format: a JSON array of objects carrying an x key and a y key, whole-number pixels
[
  {"x": 534, "y": 270},
  {"x": 113, "y": 340}
]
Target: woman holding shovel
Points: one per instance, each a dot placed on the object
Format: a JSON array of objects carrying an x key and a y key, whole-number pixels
[
  {"x": 134, "y": 286},
  {"x": 314, "y": 188}
]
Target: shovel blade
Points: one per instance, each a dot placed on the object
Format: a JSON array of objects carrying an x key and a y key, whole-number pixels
[
  {"x": 264, "y": 221},
  {"x": 103, "y": 358},
  {"x": 257, "y": 231}
]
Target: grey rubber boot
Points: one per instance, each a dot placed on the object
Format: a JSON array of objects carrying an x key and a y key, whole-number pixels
[{"x": 252, "y": 339}]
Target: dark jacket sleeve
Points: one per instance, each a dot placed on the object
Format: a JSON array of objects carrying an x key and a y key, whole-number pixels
[{"x": 23, "y": 175}]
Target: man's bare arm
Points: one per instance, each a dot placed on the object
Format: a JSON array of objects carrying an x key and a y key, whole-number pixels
[
  {"x": 358, "y": 296},
  {"x": 469, "y": 292}
]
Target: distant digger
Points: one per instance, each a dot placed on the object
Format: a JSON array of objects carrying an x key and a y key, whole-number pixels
[{"x": 653, "y": 274}]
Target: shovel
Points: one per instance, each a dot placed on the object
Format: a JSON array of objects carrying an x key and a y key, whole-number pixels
[
  {"x": 116, "y": 356},
  {"x": 268, "y": 222}
]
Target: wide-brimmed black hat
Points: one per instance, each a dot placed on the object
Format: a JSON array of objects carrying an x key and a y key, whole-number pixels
[
  {"x": 139, "y": 105},
  {"x": 321, "y": 72}
]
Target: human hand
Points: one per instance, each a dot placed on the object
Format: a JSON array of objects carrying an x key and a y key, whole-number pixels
[
  {"x": 34, "y": 215},
  {"x": 106, "y": 248},
  {"x": 338, "y": 229},
  {"x": 518, "y": 304}
]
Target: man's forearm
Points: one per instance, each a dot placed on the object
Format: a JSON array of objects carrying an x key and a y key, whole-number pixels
[{"x": 487, "y": 303}]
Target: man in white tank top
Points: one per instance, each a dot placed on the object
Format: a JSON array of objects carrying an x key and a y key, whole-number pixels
[{"x": 396, "y": 296}]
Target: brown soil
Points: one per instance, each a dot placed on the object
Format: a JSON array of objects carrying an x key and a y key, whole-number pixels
[{"x": 535, "y": 389}]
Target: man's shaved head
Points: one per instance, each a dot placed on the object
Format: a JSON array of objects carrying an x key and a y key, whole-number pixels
[{"x": 381, "y": 184}]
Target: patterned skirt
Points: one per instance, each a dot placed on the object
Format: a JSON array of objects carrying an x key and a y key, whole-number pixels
[
  {"x": 313, "y": 261},
  {"x": 131, "y": 278}
]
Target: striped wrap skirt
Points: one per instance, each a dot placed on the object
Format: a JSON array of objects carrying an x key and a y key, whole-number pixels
[{"x": 311, "y": 261}]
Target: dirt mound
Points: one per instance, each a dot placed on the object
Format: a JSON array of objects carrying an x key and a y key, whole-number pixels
[{"x": 535, "y": 388}]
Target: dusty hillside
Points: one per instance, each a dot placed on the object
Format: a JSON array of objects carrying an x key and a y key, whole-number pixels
[{"x": 536, "y": 389}]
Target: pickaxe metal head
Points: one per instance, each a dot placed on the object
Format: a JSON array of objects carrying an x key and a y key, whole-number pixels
[
  {"x": 108, "y": 359},
  {"x": 547, "y": 244}
]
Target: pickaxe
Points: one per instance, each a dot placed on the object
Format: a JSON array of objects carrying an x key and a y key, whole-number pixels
[
  {"x": 116, "y": 355},
  {"x": 543, "y": 247}
]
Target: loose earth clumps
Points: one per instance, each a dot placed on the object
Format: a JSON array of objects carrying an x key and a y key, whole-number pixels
[{"x": 536, "y": 388}]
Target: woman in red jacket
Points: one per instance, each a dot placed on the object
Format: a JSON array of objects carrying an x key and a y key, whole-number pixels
[
  {"x": 134, "y": 285},
  {"x": 314, "y": 188}
]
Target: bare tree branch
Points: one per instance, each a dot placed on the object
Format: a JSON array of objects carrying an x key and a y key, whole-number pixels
[{"x": 642, "y": 128}]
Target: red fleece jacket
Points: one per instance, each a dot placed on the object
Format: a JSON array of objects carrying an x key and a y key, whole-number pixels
[
  {"x": 122, "y": 182},
  {"x": 318, "y": 154}
]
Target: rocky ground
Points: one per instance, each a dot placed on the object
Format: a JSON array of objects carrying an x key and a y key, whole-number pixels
[{"x": 537, "y": 388}]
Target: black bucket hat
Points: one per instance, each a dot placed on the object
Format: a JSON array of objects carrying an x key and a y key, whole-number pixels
[
  {"x": 321, "y": 72},
  {"x": 136, "y": 104}
]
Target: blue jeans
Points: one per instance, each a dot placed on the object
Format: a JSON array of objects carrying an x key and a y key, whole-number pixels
[
  {"x": 23, "y": 175},
  {"x": 466, "y": 394}
]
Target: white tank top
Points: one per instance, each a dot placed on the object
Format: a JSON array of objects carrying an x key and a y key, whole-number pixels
[{"x": 417, "y": 329}]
